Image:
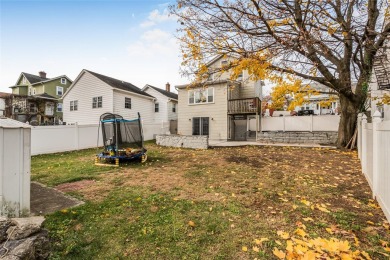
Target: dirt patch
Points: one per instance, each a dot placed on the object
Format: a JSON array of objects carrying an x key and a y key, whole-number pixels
[{"x": 74, "y": 186}]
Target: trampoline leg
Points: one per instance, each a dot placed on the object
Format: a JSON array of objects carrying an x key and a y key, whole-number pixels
[{"x": 117, "y": 162}]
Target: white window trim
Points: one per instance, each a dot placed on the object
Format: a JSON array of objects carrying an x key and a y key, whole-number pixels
[
  {"x": 59, "y": 105},
  {"x": 203, "y": 103},
  {"x": 33, "y": 91},
  {"x": 97, "y": 102},
  {"x": 73, "y": 102},
  {"x": 64, "y": 81},
  {"x": 62, "y": 90},
  {"x": 158, "y": 106},
  {"x": 222, "y": 61}
]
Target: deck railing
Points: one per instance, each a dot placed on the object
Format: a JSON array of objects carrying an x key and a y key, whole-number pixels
[{"x": 244, "y": 106}]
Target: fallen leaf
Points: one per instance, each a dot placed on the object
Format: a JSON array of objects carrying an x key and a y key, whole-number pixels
[
  {"x": 279, "y": 253},
  {"x": 244, "y": 248},
  {"x": 191, "y": 223},
  {"x": 283, "y": 234}
]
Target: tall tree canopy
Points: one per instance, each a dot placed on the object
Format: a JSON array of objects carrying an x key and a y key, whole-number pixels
[{"x": 332, "y": 42}]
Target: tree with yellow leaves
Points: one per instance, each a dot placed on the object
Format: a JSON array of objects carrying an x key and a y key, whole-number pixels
[{"x": 332, "y": 42}]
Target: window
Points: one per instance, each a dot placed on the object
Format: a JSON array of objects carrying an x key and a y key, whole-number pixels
[
  {"x": 199, "y": 96},
  {"x": 128, "y": 103},
  {"x": 63, "y": 80},
  {"x": 33, "y": 108},
  {"x": 97, "y": 102},
  {"x": 174, "y": 107},
  {"x": 224, "y": 63},
  {"x": 59, "y": 107},
  {"x": 240, "y": 76},
  {"x": 156, "y": 107},
  {"x": 29, "y": 91},
  {"x": 33, "y": 91},
  {"x": 59, "y": 90},
  {"x": 200, "y": 126},
  {"x": 74, "y": 105}
]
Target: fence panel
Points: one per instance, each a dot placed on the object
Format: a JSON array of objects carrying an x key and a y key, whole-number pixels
[
  {"x": 367, "y": 154},
  {"x": 383, "y": 170},
  {"x": 301, "y": 123},
  {"x": 61, "y": 138}
]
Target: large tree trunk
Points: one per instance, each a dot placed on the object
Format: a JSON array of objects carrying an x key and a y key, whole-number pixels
[{"x": 349, "y": 111}]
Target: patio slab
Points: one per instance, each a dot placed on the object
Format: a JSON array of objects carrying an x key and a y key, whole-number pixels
[
  {"x": 46, "y": 200},
  {"x": 216, "y": 143}
]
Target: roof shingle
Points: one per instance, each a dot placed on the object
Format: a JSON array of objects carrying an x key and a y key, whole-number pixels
[
  {"x": 119, "y": 84},
  {"x": 33, "y": 78},
  {"x": 164, "y": 92}
]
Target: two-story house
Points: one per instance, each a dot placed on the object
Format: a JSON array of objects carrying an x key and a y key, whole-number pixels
[
  {"x": 93, "y": 94},
  {"x": 165, "y": 106},
  {"x": 325, "y": 102},
  {"x": 219, "y": 107},
  {"x": 38, "y": 99}
]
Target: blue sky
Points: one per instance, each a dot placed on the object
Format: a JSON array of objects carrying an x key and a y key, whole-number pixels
[{"x": 131, "y": 40}]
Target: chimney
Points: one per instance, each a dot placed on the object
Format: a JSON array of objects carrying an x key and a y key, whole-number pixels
[
  {"x": 168, "y": 87},
  {"x": 42, "y": 74}
]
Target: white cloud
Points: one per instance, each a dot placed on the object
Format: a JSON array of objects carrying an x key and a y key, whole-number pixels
[
  {"x": 154, "y": 43},
  {"x": 156, "y": 17}
]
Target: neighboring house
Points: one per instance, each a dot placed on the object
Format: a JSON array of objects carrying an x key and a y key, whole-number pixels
[
  {"x": 92, "y": 94},
  {"x": 165, "y": 106},
  {"x": 380, "y": 81},
  {"x": 325, "y": 103},
  {"x": 36, "y": 110},
  {"x": 219, "y": 107},
  {"x": 38, "y": 90}
]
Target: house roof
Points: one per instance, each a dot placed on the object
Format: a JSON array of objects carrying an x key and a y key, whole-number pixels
[
  {"x": 5, "y": 95},
  {"x": 44, "y": 95},
  {"x": 164, "y": 92},
  {"x": 46, "y": 80},
  {"x": 10, "y": 123},
  {"x": 119, "y": 84},
  {"x": 33, "y": 78},
  {"x": 209, "y": 83}
]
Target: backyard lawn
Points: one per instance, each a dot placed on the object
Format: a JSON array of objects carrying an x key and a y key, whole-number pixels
[{"x": 225, "y": 203}]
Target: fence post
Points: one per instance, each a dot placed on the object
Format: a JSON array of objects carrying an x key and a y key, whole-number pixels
[
  {"x": 364, "y": 144},
  {"x": 376, "y": 119},
  {"x": 311, "y": 125},
  {"x": 284, "y": 123},
  {"x": 359, "y": 141},
  {"x": 77, "y": 135}
]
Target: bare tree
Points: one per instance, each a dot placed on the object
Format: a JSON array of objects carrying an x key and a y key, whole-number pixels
[{"x": 332, "y": 42}]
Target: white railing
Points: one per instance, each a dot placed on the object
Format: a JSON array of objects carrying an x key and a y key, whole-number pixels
[
  {"x": 374, "y": 153},
  {"x": 301, "y": 123},
  {"x": 61, "y": 138}
]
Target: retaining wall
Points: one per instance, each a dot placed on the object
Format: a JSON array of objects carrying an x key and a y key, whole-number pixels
[
  {"x": 184, "y": 141},
  {"x": 298, "y": 137}
]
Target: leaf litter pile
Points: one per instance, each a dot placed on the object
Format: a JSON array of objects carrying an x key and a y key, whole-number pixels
[{"x": 255, "y": 202}]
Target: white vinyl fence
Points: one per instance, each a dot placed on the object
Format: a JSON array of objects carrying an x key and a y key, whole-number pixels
[
  {"x": 374, "y": 153},
  {"x": 61, "y": 138},
  {"x": 301, "y": 123}
]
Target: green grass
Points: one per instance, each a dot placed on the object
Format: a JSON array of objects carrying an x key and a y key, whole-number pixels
[
  {"x": 142, "y": 211},
  {"x": 58, "y": 168},
  {"x": 144, "y": 225}
]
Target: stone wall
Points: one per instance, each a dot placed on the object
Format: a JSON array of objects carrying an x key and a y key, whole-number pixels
[
  {"x": 183, "y": 141},
  {"x": 23, "y": 238},
  {"x": 298, "y": 137}
]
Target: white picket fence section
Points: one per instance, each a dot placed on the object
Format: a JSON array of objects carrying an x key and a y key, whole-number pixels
[
  {"x": 61, "y": 138},
  {"x": 301, "y": 123},
  {"x": 374, "y": 153}
]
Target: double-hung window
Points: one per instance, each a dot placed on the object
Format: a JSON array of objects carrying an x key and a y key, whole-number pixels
[
  {"x": 59, "y": 107},
  {"x": 128, "y": 103},
  {"x": 74, "y": 105},
  {"x": 200, "y": 126},
  {"x": 156, "y": 107},
  {"x": 97, "y": 102},
  {"x": 174, "y": 107},
  {"x": 63, "y": 80},
  {"x": 59, "y": 91},
  {"x": 199, "y": 96}
]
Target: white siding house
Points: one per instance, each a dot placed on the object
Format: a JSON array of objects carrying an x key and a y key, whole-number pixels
[
  {"x": 166, "y": 103},
  {"x": 93, "y": 94},
  {"x": 219, "y": 107}
]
